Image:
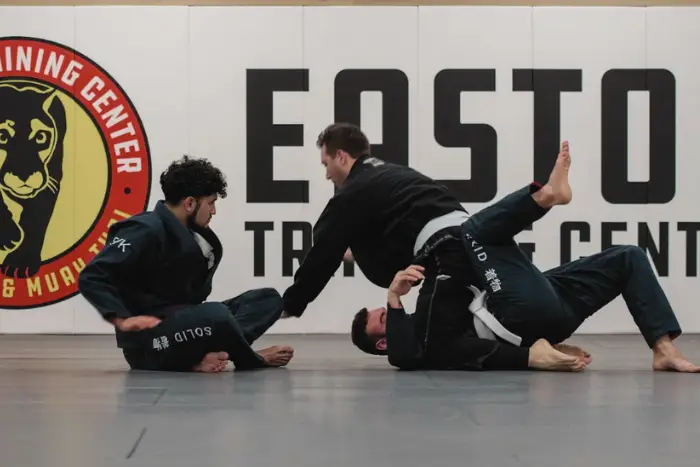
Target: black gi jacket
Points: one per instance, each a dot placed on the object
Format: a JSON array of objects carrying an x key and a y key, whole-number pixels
[
  {"x": 150, "y": 265},
  {"x": 377, "y": 213}
]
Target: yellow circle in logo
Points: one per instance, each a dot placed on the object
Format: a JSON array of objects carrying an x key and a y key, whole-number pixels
[
  {"x": 85, "y": 182},
  {"x": 74, "y": 159}
]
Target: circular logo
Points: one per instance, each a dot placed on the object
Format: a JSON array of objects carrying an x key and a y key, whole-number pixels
[{"x": 74, "y": 159}]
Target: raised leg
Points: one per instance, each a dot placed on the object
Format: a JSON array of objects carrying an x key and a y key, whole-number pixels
[
  {"x": 498, "y": 223},
  {"x": 519, "y": 294}
]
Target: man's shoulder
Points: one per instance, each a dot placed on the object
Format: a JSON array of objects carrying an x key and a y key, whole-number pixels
[
  {"x": 383, "y": 170},
  {"x": 143, "y": 224}
]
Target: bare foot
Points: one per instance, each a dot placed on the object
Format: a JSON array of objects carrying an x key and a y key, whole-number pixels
[
  {"x": 278, "y": 355},
  {"x": 667, "y": 357},
  {"x": 213, "y": 362},
  {"x": 545, "y": 357},
  {"x": 557, "y": 191},
  {"x": 574, "y": 351}
]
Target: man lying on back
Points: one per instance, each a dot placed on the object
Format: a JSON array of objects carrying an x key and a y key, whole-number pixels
[{"x": 484, "y": 305}]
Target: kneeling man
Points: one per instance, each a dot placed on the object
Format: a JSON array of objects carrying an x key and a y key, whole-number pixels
[
  {"x": 484, "y": 305},
  {"x": 155, "y": 272}
]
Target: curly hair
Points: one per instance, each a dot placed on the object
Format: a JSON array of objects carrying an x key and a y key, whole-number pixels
[{"x": 191, "y": 177}]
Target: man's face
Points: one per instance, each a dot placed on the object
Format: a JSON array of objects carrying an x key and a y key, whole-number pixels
[
  {"x": 201, "y": 210},
  {"x": 337, "y": 166},
  {"x": 376, "y": 325}
]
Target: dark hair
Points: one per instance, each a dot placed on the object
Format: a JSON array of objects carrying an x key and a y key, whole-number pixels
[
  {"x": 359, "y": 335},
  {"x": 191, "y": 177},
  {"x": 345, "y": 136}
]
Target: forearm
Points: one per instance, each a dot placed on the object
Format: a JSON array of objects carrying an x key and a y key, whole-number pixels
[
  {"x": 115, "y": 321},
  {"x": 102, "y": 295},
  {"x": 403, "y": 349},
  {"x": 394, "y": 301},
  {"x": 310, "y": 279}
]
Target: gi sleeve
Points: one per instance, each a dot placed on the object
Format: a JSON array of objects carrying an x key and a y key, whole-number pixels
[
  {"x": 403, "y": 350},
  {"x": 334, "y": 228},
  {"x": 130, "y": 246}
]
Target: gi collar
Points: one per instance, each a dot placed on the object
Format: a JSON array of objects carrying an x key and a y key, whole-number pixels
[
  {"x": 357, "y": 167},
  {"x": 183, "y": 234}
]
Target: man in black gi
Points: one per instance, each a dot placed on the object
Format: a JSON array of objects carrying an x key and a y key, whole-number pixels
[
  {"x": 391, "y": 216},
  {"x": 153, "y": 276}
]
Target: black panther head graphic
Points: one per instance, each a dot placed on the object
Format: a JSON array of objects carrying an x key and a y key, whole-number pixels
[{"x": 32, "y": 133}]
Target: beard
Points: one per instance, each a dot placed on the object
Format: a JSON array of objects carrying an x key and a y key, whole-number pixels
[{"x": 191, "y": 219}]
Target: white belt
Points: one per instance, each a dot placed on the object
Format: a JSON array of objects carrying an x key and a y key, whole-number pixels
[
  {"x": 450, "y": 219},
  {"x": 485, "y": 323}
]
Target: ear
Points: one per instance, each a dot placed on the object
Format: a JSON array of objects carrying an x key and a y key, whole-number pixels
[
  {"x": 46, "y": 105},
  {"x": 189, "y": 203},
  {"x": 342, "y": 156},
  {"x": 381, "y": 344}
]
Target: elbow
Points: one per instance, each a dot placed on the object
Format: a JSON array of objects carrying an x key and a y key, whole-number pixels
[
  {"x": 85, "y": 287},
  {"x": 84, "y": 278},
  {"x": 87, "y": 279},
  {"x": 82, "y": 282},
  {"x": 403, "y": 363}
]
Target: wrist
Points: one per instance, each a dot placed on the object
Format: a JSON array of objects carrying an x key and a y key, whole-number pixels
[
  {"x": 117, "y": 322},
  {"x": 394, "y": 300}
]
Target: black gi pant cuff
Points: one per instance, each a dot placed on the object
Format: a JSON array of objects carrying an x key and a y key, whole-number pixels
[{"x": 508, "y": 357}]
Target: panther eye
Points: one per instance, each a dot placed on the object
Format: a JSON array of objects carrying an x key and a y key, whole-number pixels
[
  {"x": 4, "y": 136},
  {"x": 41, "y": 137}
]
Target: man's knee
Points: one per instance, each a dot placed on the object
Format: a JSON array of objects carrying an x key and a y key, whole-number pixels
[
  {"x": 214, "y": 313},
  {"x": 256, "y": 295},
  {"x": 268, "y": 293},
  {"x": 269, "y": 298},
  {"x": 632, "y": 253}
]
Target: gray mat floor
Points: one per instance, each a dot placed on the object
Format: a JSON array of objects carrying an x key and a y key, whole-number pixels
[{"x": 70, "y": 401}]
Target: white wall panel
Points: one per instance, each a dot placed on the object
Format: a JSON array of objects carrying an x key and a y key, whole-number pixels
[
  {"x": 670, "y": 31},
  {"x": 460, "y": 42},
  {"x": 593, "y": 40},
  {"x": 188, "y": 73}
]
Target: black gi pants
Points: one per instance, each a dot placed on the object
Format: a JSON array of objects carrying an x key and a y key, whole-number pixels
[
  {"x": 528, "y": 302},
  {"x": 185, "y": 336}
]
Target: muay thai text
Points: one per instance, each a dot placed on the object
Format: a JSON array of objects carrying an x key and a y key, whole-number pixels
[{"x": 46, "y": 284}]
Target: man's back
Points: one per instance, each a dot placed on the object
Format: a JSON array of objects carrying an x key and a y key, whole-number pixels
[{"x": 400, "y": 201}]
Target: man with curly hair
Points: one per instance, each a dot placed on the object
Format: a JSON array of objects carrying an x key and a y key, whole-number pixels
[{"x": 153, "y": 277}]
